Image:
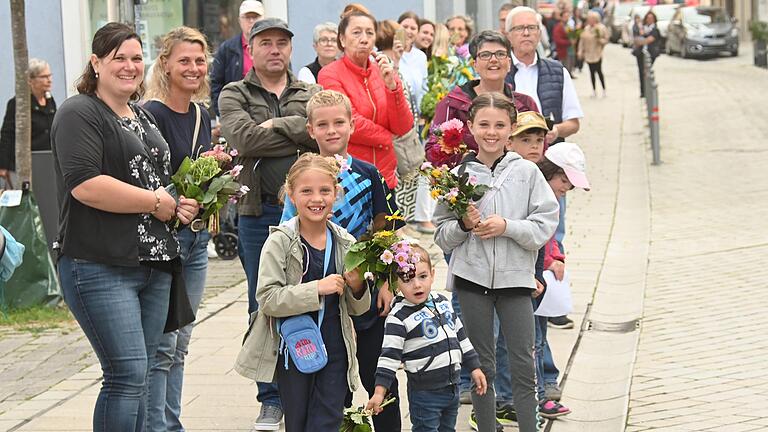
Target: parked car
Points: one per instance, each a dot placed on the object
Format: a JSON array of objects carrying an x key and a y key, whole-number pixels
[
  {"x": 698, "y": 31},
  {"x": 664, "y": 14},
  {"x": 617, "y": 16},
  {"x": 627, "y": 37}
]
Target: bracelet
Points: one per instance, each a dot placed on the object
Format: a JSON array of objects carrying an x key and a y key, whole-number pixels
[{"x": 157, "y": 202}]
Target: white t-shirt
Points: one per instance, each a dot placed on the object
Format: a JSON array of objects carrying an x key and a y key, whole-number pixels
[
  {"x": 526, "y": 82},
  {"x": 306, "y": 75},
  {"x": 413, "y": 68}
]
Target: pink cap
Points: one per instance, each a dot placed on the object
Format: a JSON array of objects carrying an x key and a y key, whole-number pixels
[{"x": 570, "y": 158}]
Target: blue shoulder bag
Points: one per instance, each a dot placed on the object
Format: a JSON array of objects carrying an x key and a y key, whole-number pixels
[{"x": 300, "y": 336}]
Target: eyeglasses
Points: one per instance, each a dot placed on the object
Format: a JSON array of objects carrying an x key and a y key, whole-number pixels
[
  {"x": 486, "y": 55},
  {"x": 327, "y": 41},
  {"x": 532, "y": 28},
  {"x": 250, "y": 17},
  {"x": 45, "y": 77}
]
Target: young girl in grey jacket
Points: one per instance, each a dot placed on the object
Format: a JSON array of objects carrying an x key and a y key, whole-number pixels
[{"x": 494, "y": 249}]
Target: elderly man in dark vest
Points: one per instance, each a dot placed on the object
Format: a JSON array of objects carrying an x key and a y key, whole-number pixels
[{"x": 545, "y": 80}]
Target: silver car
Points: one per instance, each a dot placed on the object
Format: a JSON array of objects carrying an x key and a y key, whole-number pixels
[
  {"x": 702, "y": 31},
  {"x": 617, "y": 16}
]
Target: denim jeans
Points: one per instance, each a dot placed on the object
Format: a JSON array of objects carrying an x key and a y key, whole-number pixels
[
  {"x": 434, "y": 410},
  {"x": 560, "y": 231},
  {"x": 166, "y": 376},
  {"x": 503, "y": 381},
  {"x": 252, "y": 232},
  {"x": 550, "y": 372},
  {"x": 122, "y": 311}
]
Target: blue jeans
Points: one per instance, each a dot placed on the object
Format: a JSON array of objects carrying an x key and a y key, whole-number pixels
[
  {"x": 122, "y": 311},
  {"x": 560, "y": 231},
  {"x": 434, "y": 410},
  {"x": 252, "y": 232},
  {"x": 550, "y": 372},
  {"x": 503, "y": 381},
  {"x": 166, "y": 376}
]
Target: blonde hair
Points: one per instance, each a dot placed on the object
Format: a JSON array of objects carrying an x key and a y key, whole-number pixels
[
  {"x": 307, "y": 161},
  {"x": 328, "y": 98},
  {"x": 441, "y": 41},
  {"x": 159, "y": 85}
]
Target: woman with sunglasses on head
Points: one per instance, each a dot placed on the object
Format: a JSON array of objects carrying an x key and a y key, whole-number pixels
[{"x": 179, "y": 82}]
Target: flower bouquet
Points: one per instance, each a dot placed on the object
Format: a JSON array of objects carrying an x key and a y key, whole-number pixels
[
  {"x": 211, "y": 179},
  {"x": 380, "y": 255},
  {"x": 457, "y": 192},
  {"x": 450, "y": 143},
  {"x": 359, "y": 419},
  {"x": 444, "y": 72}
]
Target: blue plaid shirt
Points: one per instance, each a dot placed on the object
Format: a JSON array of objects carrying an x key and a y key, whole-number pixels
[{"x": 365, "y": 195}]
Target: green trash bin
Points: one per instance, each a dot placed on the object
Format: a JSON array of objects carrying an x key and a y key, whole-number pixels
[{"x": 35, "y": 281}]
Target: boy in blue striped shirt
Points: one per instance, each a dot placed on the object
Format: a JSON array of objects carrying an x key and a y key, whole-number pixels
[
  {"x": 424, "y": 334},
  {"x": 365, "y": 196}
]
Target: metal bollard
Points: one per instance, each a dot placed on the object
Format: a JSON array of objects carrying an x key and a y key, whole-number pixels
[
  {"x": 652, "y": 105},
  {"x": 653, "y": 121}
]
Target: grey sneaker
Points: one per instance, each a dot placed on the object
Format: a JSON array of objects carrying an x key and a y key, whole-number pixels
[
  {"x": 552, "y": 391},
  {"x": 269, "y": 418}
]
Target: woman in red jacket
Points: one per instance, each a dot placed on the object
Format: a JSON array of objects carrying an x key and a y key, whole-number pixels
[{"x": 379, "y": 108}]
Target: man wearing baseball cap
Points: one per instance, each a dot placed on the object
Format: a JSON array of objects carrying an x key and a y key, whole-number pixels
[
  {"x": 230, "y": 64},
  {"x": 264, "y": 118}
]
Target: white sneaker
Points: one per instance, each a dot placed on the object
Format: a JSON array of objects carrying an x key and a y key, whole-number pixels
[{"x": 212, "y": 250}]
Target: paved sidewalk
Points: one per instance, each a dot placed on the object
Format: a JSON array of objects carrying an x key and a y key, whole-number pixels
[{"x": 35, "y": 366}]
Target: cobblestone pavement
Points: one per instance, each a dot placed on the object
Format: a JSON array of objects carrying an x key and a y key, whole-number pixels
[
  {"x": 701, "y": 358},
  {"x": 31, "y": 363}
]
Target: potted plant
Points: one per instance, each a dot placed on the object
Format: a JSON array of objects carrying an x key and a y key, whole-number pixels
[{"x": 759, "y": 30}]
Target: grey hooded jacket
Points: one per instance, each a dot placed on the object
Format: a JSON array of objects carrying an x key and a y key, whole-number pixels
[{"x": 527, "y": 204}]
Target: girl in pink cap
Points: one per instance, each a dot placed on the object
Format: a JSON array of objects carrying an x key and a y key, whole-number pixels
[{"x": 564, "y": 168}]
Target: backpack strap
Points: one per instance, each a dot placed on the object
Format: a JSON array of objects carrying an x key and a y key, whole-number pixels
[
  {"x": 321, "y": 312},
  {"x": 495, "y": 187}
]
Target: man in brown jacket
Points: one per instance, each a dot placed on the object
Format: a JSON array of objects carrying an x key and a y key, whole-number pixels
[{"x": 264, "y": 118}]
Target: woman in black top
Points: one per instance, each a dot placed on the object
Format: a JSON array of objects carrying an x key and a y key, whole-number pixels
[
  {"x": 117, "y": 248},
  {"x": 179, "y": 76},
  {"x": 42, "y": 109},
  {"x": 647, "y": 36}
]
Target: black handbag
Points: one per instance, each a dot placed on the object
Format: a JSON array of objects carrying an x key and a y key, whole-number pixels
[{"x": 180, "y": 312}]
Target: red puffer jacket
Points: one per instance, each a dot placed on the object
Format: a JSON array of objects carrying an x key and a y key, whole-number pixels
[{"x": 379, "y": 113}]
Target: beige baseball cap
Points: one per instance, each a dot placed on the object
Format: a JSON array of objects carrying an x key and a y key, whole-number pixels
[{"x": 529, "y": 120}]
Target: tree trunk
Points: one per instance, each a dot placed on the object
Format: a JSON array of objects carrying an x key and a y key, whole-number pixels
[{"x": 23, "y": 95}]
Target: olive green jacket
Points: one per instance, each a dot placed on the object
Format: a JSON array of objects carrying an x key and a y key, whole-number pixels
[
  {"x": 244, "y": 105},
  {"x": 280, "y": 294}
]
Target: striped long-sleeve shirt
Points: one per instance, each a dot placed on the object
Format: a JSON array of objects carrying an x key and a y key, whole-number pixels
[{"x": 429, "y": 339}]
